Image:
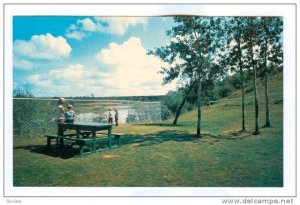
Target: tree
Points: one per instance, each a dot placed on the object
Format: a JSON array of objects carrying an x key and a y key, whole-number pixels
[
  {"x": 270, "y": 52},
  {"x": 187, "y": 92},
  {"x": 251, "y": 36},
  {"x": 22, "y": 93},
  {"x": 190, "y": 53},
  {"x": 233, "y": 57}
]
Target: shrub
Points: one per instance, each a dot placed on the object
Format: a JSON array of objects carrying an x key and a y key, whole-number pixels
[
  {"x": 235, "y": 81},
  {"x": 225, "y": 90},
  {"x": 33, "y": 117},
  {"x": 165, "y": 112},
  {"x": 171, "y": 102}
]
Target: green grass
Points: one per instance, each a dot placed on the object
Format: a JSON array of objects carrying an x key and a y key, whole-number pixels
[{"x": 163, "y": 155}]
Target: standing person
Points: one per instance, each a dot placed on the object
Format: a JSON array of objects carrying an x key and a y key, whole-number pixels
[
  {"x": 60, "y": 116},
  {"x": 116, "y": 117},
  {"x": 110, "y": 116},
  {"x": 70, "y": 114}
]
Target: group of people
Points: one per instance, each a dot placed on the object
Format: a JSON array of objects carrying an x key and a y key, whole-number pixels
[
  {"x": 69, "y": 115},
  {"x": 110, "y": 116},
  {"x": 62, "y": 115}
]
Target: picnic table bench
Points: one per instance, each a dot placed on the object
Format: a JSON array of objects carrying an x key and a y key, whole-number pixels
[
  {"x": 115, "y": 135},
  {"x": 86, "y": 136}
]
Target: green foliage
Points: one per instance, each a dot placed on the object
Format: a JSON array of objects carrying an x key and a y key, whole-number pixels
[
  {"x": 166, "y": 113},
  {"x": 191, "y": 54},
  {"x": 235, "y": 81},
  {"x": 171, "y": 102},
  {"x": 144, "y": 112},
  {"x": 22, "y": 93},
  {"x": 33, "y": 117},
  {"x": 224, "y": 90}
]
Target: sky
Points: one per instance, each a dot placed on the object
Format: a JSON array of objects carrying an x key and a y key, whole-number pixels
[{"x": 85, "y": 55}]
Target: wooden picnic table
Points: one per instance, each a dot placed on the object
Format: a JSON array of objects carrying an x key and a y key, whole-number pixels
[
  {"x": 85, "y": 134},
  {"x": 83, "y": 129}
]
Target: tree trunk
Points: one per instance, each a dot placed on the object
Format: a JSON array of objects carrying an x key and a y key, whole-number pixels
[
  {"x": 199, "y": 106},
  {"x": 243, "y": 99},
  {"x": 182, "y": 104},
  {"x": 256, "y": 132},
  {"x": 242, "y": 85},
  {"x": 268, "y": 123}
]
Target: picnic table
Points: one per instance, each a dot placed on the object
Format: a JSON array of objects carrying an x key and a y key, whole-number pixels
[{"x": 86, "y": 135}]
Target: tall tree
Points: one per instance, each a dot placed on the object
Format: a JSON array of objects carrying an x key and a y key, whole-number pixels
[
  {"x": 233, "y": 57},
  {"x": 190, "y": 53},
  {"x": 270, "y": 53},
  {"x": 251, "y": 37}
]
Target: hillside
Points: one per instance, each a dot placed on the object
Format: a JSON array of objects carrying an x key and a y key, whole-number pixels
[{"x": 275, "y": 86}]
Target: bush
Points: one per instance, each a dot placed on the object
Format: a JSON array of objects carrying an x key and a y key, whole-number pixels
[
  {"x": 249, "y": 89},
  {"x": 171, "y": 102},
  {"x": 235, "y": 81},
  {"x": 222, "y": 89},
  {"x": 225, "y": 90},
  {"x": 33, "y": 117},
  {"x": 165, "y": 112},
  {"x": 22, "y": 93}
]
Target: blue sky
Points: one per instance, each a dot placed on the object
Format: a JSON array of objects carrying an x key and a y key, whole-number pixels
[{"x": 80, "y": 56}]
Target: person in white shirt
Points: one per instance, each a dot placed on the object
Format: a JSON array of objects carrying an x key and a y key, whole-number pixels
[
  {"x": 60, "y": 116},
  {"x": 61, "y": 110}
]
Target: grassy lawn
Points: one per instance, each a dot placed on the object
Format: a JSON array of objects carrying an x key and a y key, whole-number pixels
[{"x": 163, "y": 155}]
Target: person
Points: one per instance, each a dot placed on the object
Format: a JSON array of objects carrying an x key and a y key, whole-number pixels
[
  {"x": 110, "y": 116},
  {"x": 70, "y": 114},
  {"x": 61, "y": 110},
  {"x": 60, "y": 116},
  {"x": 116, "y": 117}
]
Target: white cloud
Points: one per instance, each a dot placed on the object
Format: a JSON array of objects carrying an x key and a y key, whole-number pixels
[
  {"x": 129, "y": 71},
  {"x": 135, "y": 72},
  {"x": 118, "y": 25},
  {"x": 22, "y": 63},
  {"x": 72, "y": 27},
  {"x": 111, "y": 25},
  {"x": 72, "y": 73},
  {"x": 78, "y": 35},
  {"x": 70, "y": 80},
  {"x": 29, "y": 54},
  {"x": 42, "y": 47},
  {"x": 127, "y": 53},
  {"x": 39, "y": 81},
  {"x": 87, "y": 24}
]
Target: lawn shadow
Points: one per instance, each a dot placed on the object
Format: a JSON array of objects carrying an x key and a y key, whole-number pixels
[
  {"x": 180, "y": 136},
  {"x": 238, "y": 135},
  {"x": 235, "y": 135},
  {"x": 162, "y": 125},
  {"x": 140, "y": 141},
  {"x": 54, "y": 151},
  {"x": 159, "y": 137}
]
